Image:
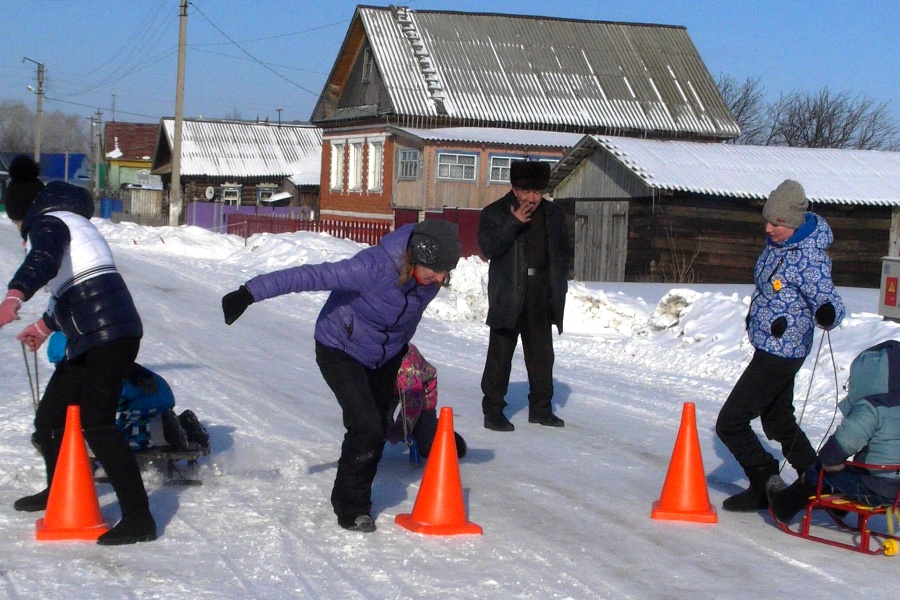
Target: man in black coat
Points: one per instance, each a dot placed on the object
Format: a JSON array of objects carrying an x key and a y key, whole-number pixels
[{"x": 525, "y": 240}]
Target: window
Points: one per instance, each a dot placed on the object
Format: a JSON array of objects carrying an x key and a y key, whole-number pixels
[
  {"x": 409, "y": 164},
  {"x": 337, "y": 166},
  {"x": 231, "y": 194},
  {"x": 462, "y": 167},
  {"x": 354, "y": 164},
  {"x": 500, "y": 169},
  {"x": 376, "y": 151},
  {"x": 264, "y": 192},
  {"x": 367, "y": 66}
]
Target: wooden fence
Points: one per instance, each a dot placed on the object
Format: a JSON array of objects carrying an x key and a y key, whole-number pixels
[{"x": 364, "y": 232}]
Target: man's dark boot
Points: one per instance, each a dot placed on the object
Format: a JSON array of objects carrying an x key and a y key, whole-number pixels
[
  {"x": 498, "y": 422},
  {"x": 117, "y": 459},
  {"x": 48, "y": 443},
  {"x": 753, "y": 498},
  {"x": 787, "y": 500}
]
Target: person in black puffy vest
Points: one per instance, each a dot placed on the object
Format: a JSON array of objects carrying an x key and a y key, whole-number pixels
[{"x": 92, "y": 306}]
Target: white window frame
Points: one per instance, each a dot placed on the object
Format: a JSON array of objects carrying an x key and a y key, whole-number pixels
[
  {"x": 454, "y": 170},
  {"x": 375, "y": 164},
  {"x": 337, "y": 165},
  {"x": 354, "y": 165},
  {"x": 408, "y": 163},
  {"x": 502, "y": 168}
]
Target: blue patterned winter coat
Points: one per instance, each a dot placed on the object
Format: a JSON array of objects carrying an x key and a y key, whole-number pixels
[
  {"x": 793, "y": 279},
  {"x": 369, "y": 314}
]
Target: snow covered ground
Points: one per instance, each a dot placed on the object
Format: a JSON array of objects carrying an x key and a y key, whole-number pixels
[{"x": 565, "y": 512}]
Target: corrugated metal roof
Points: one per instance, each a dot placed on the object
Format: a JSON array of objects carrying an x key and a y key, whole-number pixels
[
  {"x": 534, "y": 71},
  {"x": 829, "y": 176},
  {"x": 238, "y": 149},
  {"x": 495, "y": 135}
]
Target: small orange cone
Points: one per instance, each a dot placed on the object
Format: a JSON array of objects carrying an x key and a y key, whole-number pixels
[
  {"x": 73, "y": 512},
  {"x": 439, "y": 507},
  {"x": 684, "y": 494}
]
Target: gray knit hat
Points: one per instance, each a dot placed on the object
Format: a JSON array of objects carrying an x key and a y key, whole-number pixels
[
  {"x": 435, "y": 244},
  {"x": 787, "y": 205}
]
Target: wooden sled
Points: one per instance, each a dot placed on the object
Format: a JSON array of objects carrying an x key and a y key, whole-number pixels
[
  {"x": 167, "y": 459},
  {"x": 840, "y": 509}
]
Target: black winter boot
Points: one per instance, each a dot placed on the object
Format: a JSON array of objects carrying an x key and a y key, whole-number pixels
[
  {"x": 48, "y": 443},
  {"x": 753, "y": 498},
  {"x": 787, "y": 500},
  {"x": 117, "y": 459},
  {"x": 498, "y": 422}
]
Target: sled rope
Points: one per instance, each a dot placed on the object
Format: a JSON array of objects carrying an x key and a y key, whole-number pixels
[
  {"x": 35, "y": 385},
  {"x": 809, "y": 391}
]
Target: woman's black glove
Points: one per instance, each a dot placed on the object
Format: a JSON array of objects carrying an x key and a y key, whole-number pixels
[
  {"x": 235, "y": 303},
  {"x": 779, "y": 326},
  {"x": 825, "y": 315}
]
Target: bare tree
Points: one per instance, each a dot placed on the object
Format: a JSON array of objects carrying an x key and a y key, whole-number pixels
[
  {"x": 745, "y": 101},
  {"x": 59, "y": 132},
  {"x": 16, "y": 127}
]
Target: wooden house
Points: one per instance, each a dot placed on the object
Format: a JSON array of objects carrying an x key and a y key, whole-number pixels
[
  {"x": 422, "y": 109},
  {"x": 243, "y": 163},
  {"x": 680, "y": 211},
  {"x": 128, "y": 149}
]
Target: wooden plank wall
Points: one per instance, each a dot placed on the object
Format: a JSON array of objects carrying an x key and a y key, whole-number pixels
[{"x": 725, "y": 237}]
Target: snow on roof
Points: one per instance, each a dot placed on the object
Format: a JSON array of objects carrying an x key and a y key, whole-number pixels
[
  {"x": 831, "y": 176},
  {"x": 246, "y": 149},
  {"x": 495, "y": 135}
]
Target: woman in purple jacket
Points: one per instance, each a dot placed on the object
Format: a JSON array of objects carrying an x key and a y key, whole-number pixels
[{"x": 376, "y": 302}]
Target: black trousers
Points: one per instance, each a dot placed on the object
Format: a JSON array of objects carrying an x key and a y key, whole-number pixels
[
  {"x": 365, "y": 396},
  {"x": 535, "y": 328},
  {"x": 765, "y": 390},
  {"x": 94, "y": 382}
]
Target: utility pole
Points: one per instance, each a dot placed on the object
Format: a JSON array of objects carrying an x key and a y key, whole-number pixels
[
  {"x": 175, "y": 199},
  {"x": 98, "y": 152},
  {"x": 279, "y": 115},
  {"x": 40, "y": 108}
]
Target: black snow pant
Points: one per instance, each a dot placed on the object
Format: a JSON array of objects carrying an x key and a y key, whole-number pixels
[
  {"x": 94, "y": 381},
  {"x": 366, "y": 396},
  {"x": 765, "y": 390},
  {"x": 536, "y": 330}
]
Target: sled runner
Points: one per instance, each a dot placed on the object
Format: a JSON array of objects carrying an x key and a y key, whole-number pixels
[
  {"x": 840, "y": 509},
  {"x": 168, "y": 460}
]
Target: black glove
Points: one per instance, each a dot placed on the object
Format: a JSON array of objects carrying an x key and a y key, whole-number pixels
[
  {"x": 779, "y": 326},
  {"x": 825, "y": 315},
  {"x": 235, "y": 303}
]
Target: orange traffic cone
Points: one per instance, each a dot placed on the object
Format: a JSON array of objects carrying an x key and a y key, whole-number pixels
[
  {"x": 684, "y": 495},
  {"x": 73, "y": 512},
  {"x": 439, "y": 507}
]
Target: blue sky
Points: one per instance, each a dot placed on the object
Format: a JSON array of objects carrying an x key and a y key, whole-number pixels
[{"x": 247, "y": 59}]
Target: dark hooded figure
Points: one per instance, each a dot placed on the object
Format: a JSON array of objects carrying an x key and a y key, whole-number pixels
[{"x": 92, "y": 306}]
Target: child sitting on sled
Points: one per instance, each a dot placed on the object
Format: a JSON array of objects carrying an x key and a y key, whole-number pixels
[
  {"x": 870, "y": 430},
  {"x": 145, "y": 413},
  {"x": 416, "y": 395}
]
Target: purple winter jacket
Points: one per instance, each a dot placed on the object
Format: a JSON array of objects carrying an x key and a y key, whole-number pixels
[{"x": 368, "y": 314}]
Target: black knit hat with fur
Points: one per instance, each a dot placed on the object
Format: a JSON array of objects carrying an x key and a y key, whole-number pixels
[{"x": 23, "y": 187}]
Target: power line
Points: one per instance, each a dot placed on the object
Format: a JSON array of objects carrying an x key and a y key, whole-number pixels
[{"x": 253, "y": 58}]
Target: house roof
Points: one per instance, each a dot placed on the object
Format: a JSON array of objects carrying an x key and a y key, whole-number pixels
[
  {"x": 534, "y": 72},
  {"x": 243, "y": 149},
  {"x": 493, "y": 135},
  {"x": 130, "y": 141},
  {"x": 830, "y": 176}
]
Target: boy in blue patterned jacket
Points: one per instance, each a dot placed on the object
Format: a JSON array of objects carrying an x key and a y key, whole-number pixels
[{"x": 794, "y": 293}]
